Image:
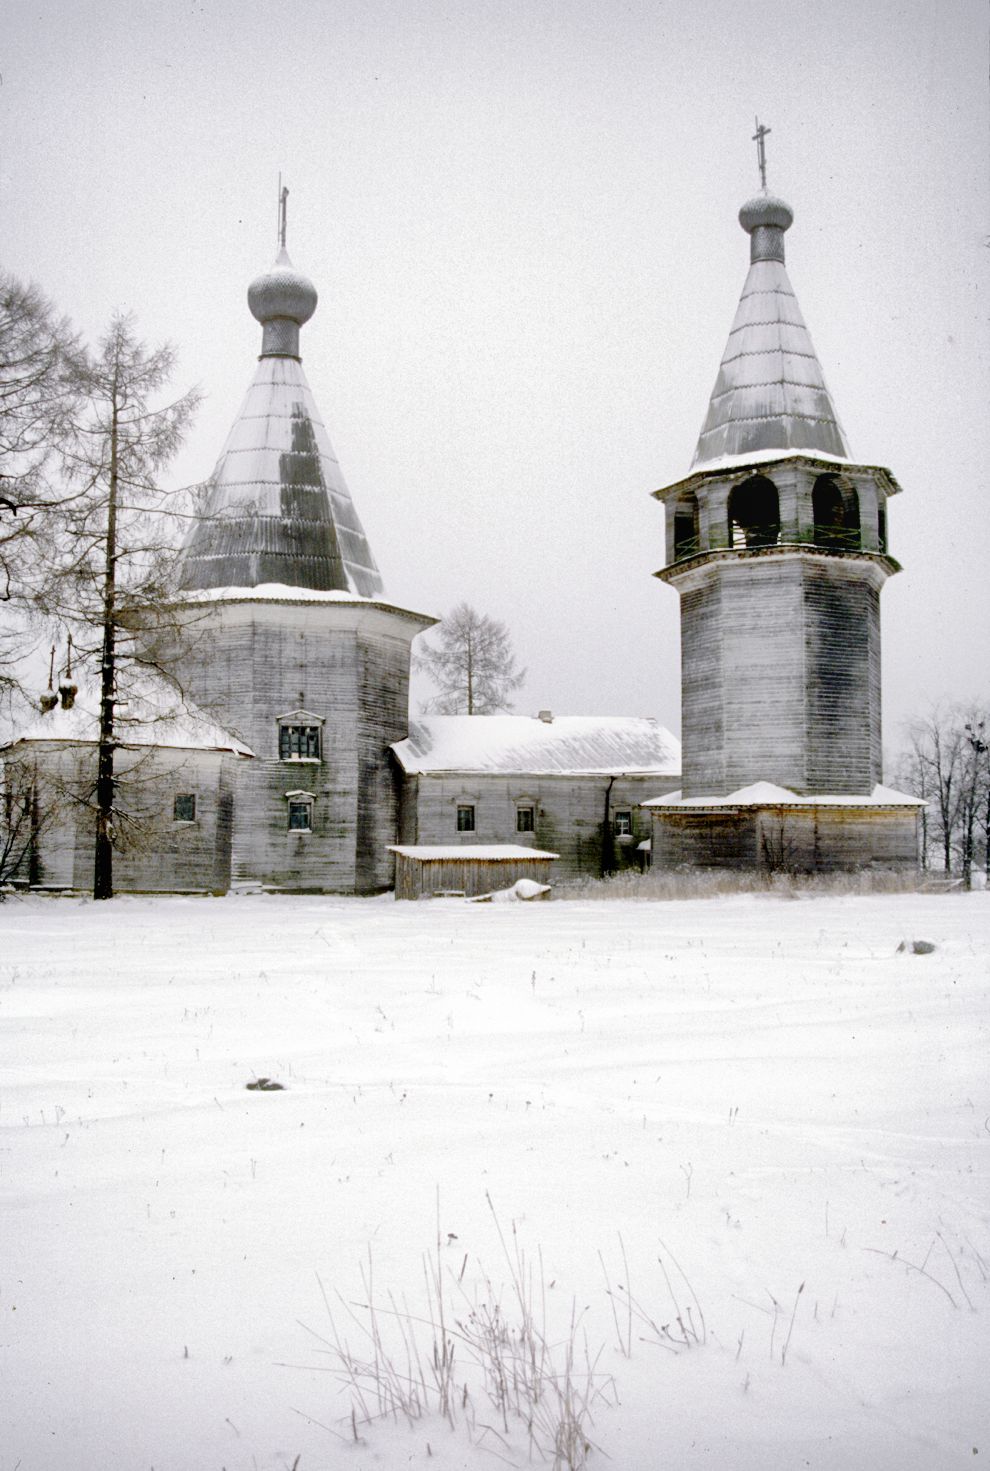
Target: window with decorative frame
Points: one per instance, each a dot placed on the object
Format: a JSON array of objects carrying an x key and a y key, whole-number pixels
[
  {"x": 622, "y": 822},
  {"x": 465, "y": 817},
  {"x": 525, "y": 818},
  {"x": 300, "y": 811},
  {"x": 300, "y": 736}
]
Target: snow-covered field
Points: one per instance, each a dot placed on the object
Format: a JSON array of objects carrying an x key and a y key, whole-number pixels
[{"x": 753, "y": 1093}]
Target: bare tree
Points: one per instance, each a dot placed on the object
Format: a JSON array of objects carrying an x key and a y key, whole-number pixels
[
  {"x": 947, "y": 764},
  {"x": 473, "y": 668},
  {"x": 40, "y": 387},
  {"x": 110, "y": 578}
]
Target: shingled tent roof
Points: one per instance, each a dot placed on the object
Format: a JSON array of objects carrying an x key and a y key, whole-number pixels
[
  {"x": 277, "y": 509},
  {"x": 770, "y": 393}
]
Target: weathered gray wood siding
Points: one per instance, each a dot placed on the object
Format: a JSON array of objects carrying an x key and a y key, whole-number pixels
[
  {"x": 821, "y": 840},
  {"x": 417, "y": 878},
  {"x": 155, "y": 854},
  {"x": 347, "y": 664},
  {"x": 781, "y": 674},
  {"x": 569, "y": 813}
]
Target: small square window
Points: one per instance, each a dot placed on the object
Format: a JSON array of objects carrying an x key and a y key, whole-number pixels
[
  {"x": 184, "y": 807},
  {"x": 622, "y": 822},
  {"x": 299, "y": 742},
  {"x": 465, "y": 819},
  {"x": 525, "y": 819},
  {"x": 300, "y": 816}
]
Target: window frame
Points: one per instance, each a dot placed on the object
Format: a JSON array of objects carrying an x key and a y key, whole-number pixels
[
  {"x": 178, "y": 797},
  {"x": 527, "y": 809},
  {"x": 622, "y": 822},
  {"x": 308, "y": 729},
  {"x": 468, "y": 824},
  {"x": 303, "y": 802}
]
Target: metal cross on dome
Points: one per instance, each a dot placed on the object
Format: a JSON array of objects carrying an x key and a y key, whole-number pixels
[
  {"x": 283, "y": 196},
  {"x": 761, "y": 151}
]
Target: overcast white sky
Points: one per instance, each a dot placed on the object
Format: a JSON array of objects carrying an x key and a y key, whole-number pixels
[{"x": 521, "y": 219}]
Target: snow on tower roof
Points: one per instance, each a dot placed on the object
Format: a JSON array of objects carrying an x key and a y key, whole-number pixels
[
  {"x": 768, "y": 794},
  {"x": 770, "y": 393},
  {"x": 571, "y": 745},
  {"x": 277, "y": 508}
]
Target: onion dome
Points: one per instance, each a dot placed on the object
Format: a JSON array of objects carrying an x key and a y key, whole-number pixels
[
  {"x": 281, "y": 299},
  {"x": 770, "y": 394}
]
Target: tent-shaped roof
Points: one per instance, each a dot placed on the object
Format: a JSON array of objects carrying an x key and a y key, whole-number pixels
[
  {"x": 770, "y": 393},
  {"x": 277, "y": 509},
  {"x": 571, "y": 745}
]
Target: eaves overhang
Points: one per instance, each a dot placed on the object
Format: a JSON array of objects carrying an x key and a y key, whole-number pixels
[
  {"x": 677, "y": 570},
  {"x": 740, "y": 466}
]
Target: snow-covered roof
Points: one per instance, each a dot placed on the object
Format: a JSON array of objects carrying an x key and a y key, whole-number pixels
[
  {"x": 767, "y": 794},
  {"x": 284, "y": 592},
  {"x": 567, "y": 745},
  {"x": 488, "y": 852},
  {"x": 154, "y": 713}
]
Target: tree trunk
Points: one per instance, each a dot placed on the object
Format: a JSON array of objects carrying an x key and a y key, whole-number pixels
[{"x": 103, "y": 854}]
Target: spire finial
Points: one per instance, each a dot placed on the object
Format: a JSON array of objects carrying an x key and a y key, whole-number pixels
[
  {"x": 761, "y": 151},
  {"x": 283, "y": 196}
]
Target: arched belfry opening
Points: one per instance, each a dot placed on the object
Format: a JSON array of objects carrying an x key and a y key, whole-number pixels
[
  {"x": 835, "y": 512},
  {"x": 687, "y": 533},
  {"x": 754, "y": 513}
]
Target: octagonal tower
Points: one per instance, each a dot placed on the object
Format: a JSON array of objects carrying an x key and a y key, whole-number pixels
[{"x": 776, "y": 542}]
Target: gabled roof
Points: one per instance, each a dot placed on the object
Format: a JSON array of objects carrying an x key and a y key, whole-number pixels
[
  {"x": 770, "y": 393},
  {"x": 570, "y": 745},
  {"x": 277, "y": 509},
  {"x": 154, "y": 714}
]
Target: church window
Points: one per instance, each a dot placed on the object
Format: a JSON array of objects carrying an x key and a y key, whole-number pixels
[
  {"x": 465, "y": 819},
  {"x": 184, "y": 807},
  {"x": 754, "y": 513},
  {"x": 300, "y": 812},
  {"x": 298, "y": 742},
  {"x": 882, "y": 526},
  {"x": 622, "y": 822},
  {"x": 525, "y": 819}
]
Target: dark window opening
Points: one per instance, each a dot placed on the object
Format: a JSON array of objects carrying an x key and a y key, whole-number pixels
[
  {"x": 835, "y": 511},
  {"x": 754, "y": 513},
  {"x": 524, "y": 819},
  {"x": 882, "y": 526},
  {"x": 465, "y": 819},
  {"x": 300, "y": 816},
  {"x": 622, "y": 823},
  {"x": 184, "y": 807},
  {"x": 687, "y": 535},
  {"x": 299, "y": 742}
]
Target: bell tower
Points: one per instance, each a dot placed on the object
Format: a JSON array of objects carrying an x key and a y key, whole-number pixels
[{"x": 776, "y": 542}]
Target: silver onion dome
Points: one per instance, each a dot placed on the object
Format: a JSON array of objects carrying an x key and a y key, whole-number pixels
[
  {"x": 765, "y": 217},
  {"x": 281, "y": 299}
]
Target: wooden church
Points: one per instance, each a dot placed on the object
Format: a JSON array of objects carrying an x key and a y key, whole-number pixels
[
  {"x": 776, "y": 543},
  {"x": 291, "y": 763}
]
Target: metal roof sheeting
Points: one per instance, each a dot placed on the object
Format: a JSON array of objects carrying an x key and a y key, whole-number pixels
[
  {"x": 770, "y": 392},
  {"x": 568, "y": 745}
]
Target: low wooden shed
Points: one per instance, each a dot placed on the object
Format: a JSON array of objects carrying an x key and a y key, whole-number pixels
[{"x": 468, "y": 869}]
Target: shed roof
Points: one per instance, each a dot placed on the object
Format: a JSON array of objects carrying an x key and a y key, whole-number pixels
[
  {"x": 567, "y": 745},
  {"x": 469, "y": 852},
  {"x": 768, "y": 794}
]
